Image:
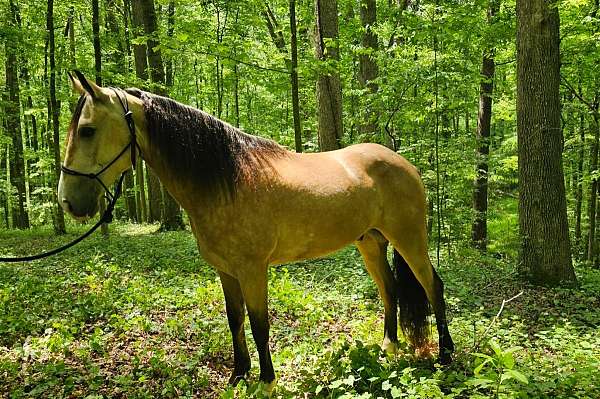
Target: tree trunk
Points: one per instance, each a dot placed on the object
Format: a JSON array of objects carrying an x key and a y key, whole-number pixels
[
  {"x": 329, "y": 88},
  {"x": 545, "y": 248},
  {"x": 98, "y": 70},
  {"x": 480, "y": 190},
  {"x": 71, "y": 33},
  {"x": 20, "y": 216},
  {"x": 294, "y": 78},
  {"x": 367, "y": 69},
  {"x": 141, "y": 73},
  {"x": 155, "y": 61},
  {"x": 154, "y": 196},
  {"x": 579, "y": 182},
  {"x": 142, "y": 208},
  {"x": 592, "y": 244},
  {"x": 157, "y": 76},
  {"x": 118, "y": 65},
  {"x": 59, "y": 220},
  {"x": 171, "y": 213},
  {"x": 139, "y": 50}
]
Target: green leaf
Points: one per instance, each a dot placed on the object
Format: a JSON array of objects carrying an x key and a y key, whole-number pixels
[
  {"x": 517, "y": 375},
  {"x": 385, "y": 385}
]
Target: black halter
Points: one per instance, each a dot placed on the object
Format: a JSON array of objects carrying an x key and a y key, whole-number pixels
[
  {"x": 132, "y": 145},
  {"x": 107, "y": 216}
]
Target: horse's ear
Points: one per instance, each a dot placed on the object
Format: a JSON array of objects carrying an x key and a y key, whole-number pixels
[
  {"x": 91, "y": 88},
  {"x": 76, "y": 85}
]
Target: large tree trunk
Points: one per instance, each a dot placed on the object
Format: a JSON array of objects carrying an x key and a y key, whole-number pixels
[
  {"x": 329, "y": 88},
  {"x": 59, "y": 220},
  {"x": 140, "y": 10},
  {"x": 294, "y": 78},
  {"x": 13, "y": 124},
  {"x": 368, "y": 71},
  {"x": 545, "y": 248},
  {"x": 484, "y": 119}
]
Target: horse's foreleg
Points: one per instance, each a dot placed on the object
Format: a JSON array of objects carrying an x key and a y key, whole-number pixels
[
  {"x": 373, "y": 248},
  {"x": 234, "y": 303},
  {"x": 254, "y": 288}
]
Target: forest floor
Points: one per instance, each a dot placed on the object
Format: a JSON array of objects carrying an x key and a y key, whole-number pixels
[{"x": 141, "y": 315}]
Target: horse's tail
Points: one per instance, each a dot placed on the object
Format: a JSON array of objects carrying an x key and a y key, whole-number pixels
[{"x": 412, "y": 303}]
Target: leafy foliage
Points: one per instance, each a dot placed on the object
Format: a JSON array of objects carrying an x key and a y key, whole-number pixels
[{"x": 143, "y": 316}]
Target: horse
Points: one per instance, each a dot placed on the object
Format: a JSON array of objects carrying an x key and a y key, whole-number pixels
[{"x": 252, "y": 203}]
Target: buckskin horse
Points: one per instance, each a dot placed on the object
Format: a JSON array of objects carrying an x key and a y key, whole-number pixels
[{"x": 252, "y": 203}]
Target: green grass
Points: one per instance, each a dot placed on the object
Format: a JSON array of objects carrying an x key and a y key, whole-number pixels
[{"x": 141, "y": 315}]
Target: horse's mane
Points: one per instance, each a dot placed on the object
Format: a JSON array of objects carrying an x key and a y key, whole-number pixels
[{"x": 199, "y": 147}]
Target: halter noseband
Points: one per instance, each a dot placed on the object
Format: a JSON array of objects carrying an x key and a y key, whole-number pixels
[{"x": 133, "y": 145}]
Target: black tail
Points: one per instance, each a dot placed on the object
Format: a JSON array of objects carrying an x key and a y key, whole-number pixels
[{"x": 413, "y": 304}]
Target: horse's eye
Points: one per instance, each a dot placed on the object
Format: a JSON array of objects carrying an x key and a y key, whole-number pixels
[{"x": 87, "y": 131}]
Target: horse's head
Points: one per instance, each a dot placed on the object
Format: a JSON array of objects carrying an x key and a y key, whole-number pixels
[{"x": 97, "y": 134}]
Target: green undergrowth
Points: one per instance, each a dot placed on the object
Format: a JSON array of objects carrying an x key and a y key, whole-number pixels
[{"x": 140, "y": 315}]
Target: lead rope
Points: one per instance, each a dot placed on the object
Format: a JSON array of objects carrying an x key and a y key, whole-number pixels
[{"x": 107, "y": 216}]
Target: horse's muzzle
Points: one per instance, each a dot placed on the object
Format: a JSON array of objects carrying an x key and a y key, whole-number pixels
[{"x": 79, "y": 196}]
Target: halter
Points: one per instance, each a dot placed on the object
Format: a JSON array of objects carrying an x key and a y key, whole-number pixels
[
  {"x": 107, "y": 216},
  {"x": 133, "y": 145}
]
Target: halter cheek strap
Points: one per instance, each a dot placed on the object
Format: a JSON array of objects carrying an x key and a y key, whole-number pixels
[
  {"x": 132, "y": 145},
  {"x": 112, "y": 198},
  {"x": 108, "y": 214}
]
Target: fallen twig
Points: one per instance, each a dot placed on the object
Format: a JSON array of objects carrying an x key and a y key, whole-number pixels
[{"x": 504, "y": 302}]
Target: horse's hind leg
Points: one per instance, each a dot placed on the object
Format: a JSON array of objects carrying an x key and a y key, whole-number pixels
[
  {"x": 234, "y": 303},
  {"x": 414, "y": 269},
  {"x": 373, "y": 248}
]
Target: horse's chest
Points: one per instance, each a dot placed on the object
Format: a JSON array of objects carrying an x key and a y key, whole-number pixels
[{"x": 227, "y": 242}]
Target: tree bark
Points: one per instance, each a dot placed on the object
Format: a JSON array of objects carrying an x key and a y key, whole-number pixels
[
  {"x": 171, "y": 215},
  {"x": 579, "y": 182},
  {"x": 119, "y": 66},
  {"x": 20, "y": 216},
  {"x": 592, "y": 244},
  {"x": 139, "y": 50},
  {"x": 368, "y": 70},
  {"x": 480, "y": 190},
  {"x": 144, "y": 11},
  {"x": 329, "y": 88},
  {"x": 294, "y": 78},
  {"x": 141, "y": 72},
  {"x": 545, "y": 256},
  {"x": 59, "y": 219},
  {"x": 98, "y": 71}
]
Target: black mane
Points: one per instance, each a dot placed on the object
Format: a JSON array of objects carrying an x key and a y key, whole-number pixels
[{"x": 201, "y": 148}]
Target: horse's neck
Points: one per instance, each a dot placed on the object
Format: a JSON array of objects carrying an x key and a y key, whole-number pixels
[{"x": 151, "y": 155}]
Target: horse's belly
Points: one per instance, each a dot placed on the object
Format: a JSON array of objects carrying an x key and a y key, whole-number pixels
[{"x": 304, "y": 242}]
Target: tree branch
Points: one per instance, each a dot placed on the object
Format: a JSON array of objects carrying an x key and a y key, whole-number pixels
[
  {"x": 504, "y": 302},
  {"x": 593, "y": 107}
]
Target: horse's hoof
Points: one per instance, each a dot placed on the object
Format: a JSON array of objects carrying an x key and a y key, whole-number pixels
[
  {"x": 389, "y": 347},
  {"x": 269, "y": 388}
]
